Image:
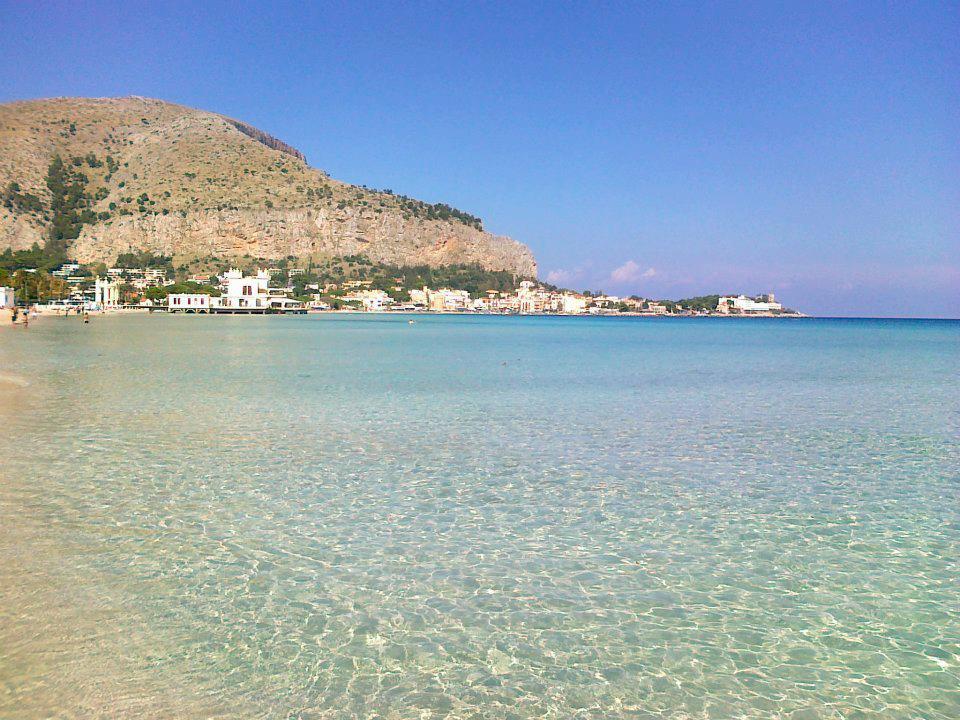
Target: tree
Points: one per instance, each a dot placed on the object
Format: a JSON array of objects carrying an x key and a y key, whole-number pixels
[{"x": 37, "y": 286}]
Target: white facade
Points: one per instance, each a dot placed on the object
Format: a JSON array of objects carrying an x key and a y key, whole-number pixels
[
  {"x": 8, "y": 297},
  {"x": 446, "y": 300},
  {"x": 188, "y": 302},
  {"x": 573, "y": 304},
  {"x": 281, "y": 302},
  {"x": 442, "y": 300},
  {"x": 529, "y": 298},
  {"x": 744, "y": 304},
  {"x": 66, "y": 270},
  {"x": 372, "y": 300},
  {"x": 241, "y": 292},
  {"x": 419, "y": 297},
  {"x": 106, "y": 293}
]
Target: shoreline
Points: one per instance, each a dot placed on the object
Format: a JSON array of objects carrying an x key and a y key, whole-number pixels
[
  {"x": 41, "y": 311},
  {"x": 46, "y": 312}
]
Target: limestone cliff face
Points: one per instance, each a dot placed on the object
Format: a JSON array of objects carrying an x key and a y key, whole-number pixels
[
  {"x": 191, "y": 184},
  {"x": 304, "y": 232}
]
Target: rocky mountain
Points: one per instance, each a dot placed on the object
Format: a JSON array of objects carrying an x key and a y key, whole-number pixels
[{"x": 113, "y": 175}]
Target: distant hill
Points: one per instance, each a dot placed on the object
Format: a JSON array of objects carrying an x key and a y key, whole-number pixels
[{"x": 105, "y": 176}]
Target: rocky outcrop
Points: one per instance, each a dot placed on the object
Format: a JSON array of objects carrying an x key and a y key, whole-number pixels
[
  {"x": 305, "y": 232},
  {"x": 269, "y": 140}
]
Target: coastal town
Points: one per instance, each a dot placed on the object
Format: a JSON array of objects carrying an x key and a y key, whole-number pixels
[{"x": 276, "y": 290}]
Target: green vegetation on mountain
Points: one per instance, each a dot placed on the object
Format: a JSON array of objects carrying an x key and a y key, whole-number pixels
[
  {"x": 14, "y": 199},
  {"x": 70, "y": 205},
  {"x": 48, "y": 257},
  {"x": 436, "y": 211}
]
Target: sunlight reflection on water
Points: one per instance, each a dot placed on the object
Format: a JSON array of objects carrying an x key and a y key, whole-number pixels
[{"x": 479, "y": 517}]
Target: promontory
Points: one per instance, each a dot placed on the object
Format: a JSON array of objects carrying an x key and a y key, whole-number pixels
[{"x": 105, "y": 176}]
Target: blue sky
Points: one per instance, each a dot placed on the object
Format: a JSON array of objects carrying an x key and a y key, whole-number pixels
[{"x": 664, "y": 149}]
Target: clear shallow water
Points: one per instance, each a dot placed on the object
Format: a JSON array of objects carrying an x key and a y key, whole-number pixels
[{"x": 479, "y": 517}]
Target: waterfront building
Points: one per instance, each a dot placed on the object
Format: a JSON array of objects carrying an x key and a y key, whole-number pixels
[
  {"x": 243, "y": 293},
  {"x": 572, "y": 304},
  {"x": 442, "y": 300},
  {"x": 419, "y": 297},
  {"x": 240, "y": 294},
  {"x": 606, "y": 301},
  {"x": 530, "y": 298},
  {"x": 106, "y": 293},
  {"x": 284, "y": 303},
  {"x": 8, "y": 297},
  {"x": 447, "y": 300},
  {"x": 370, "y": 300},
  {"x": 741, "y": 304},
  {"x": 188, "y": 302}
]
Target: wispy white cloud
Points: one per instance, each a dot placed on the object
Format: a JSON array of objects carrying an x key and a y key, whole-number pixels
[
  {"x": 631, "y": 272},
  {"x": 558, "y": 277}
]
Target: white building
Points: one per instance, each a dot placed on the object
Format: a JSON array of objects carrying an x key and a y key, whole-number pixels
[
  {"x": 606, "y": 301},
  {"x": 66, "y": 270},
  {"x": 530, "y": 299},
  {"x": 447, "y": 300},
  {"x": 155, "y": 276},
  {"x": 573, "y": 304},
  {"x": 246, "y": 293},
  {"x": 371, "y": 300},
  {"x": 419, "y": 297},
  {"x": 442, "y": 300},
  {"x": 8, "y": 297},
  {"x": 106, "y": 293},
  {"x": 746, "y": 305},
  {"x": 284, "y": 303},
  {"x": 188, "y": 302}
]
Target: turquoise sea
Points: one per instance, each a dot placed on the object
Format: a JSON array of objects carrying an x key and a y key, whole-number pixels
[{"x": 479, "y": 517}]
